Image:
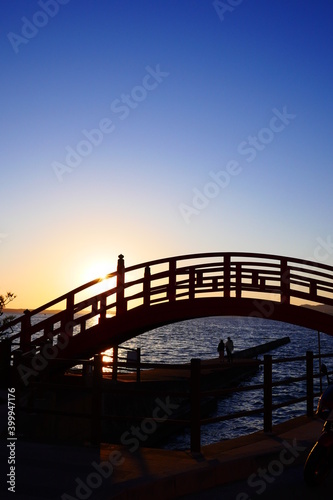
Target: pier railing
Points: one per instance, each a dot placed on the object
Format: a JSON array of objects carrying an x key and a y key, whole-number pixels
[
  {"x": 194, "y": 395},
  {"x": 283, "y": 279}
]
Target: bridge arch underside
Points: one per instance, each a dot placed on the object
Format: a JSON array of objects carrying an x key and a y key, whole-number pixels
[{"x": 118, "y": 329}]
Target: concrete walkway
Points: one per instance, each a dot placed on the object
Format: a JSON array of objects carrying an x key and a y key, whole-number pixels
[
  {"x": 124, "y": 473},
  {"x": 162, "y": 474}
]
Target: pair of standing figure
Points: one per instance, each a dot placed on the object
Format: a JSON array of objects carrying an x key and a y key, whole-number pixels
[{"x": 229, "y": 347}]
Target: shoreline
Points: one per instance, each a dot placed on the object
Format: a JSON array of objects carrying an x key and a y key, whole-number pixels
[{"x": 11, "y": 310}]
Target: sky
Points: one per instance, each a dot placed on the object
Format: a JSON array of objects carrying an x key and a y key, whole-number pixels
[{"x": 157, "y": 128}]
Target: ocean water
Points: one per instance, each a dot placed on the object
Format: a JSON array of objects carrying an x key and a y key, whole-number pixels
[{"x": 198, "y": 338}]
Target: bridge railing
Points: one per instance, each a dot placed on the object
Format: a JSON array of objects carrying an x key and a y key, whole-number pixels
[
  {"x": 231, "y": 276},
  {"x": 190, "y": 277}
]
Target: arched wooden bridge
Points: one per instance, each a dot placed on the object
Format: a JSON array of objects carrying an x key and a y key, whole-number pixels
[{"x": 145, "y": 296}]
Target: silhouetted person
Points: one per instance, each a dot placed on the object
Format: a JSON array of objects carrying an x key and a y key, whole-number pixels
[
  {"x": 220, "y": 349},
  {"x": 229, "y": 347}
]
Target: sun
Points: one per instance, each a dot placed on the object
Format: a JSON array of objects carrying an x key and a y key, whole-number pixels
[{"x": 97, "y": 270}]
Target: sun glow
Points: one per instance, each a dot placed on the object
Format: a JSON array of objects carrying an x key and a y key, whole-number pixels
[
  {"x": 97, "y": 270},
  {"x": 97, "y": 289}
]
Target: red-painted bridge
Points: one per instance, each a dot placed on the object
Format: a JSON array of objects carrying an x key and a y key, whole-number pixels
[{"x": 140, "y": 298}]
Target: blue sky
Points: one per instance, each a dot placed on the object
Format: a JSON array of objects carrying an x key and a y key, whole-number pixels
[{"x": 180, "y": 92}]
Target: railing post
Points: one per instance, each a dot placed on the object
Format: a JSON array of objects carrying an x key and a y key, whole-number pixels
[
  {"x": 238, "y": 280},
  {"x": 146, "y": 287},
  {"x": 102, "y": 309},
  {"x": 268, "y": 393},
  {"x": 285, "y": 282},
  {"x": 309, "y": 383},
  {"x": 96, "y": 399},
  {"x": 115, "y": 363},
  {"x": 199, "y": 277},
  {"x": 191, "y": 283},
  {"x": 226, "y": 275},
  {"x": 195, "y": 405},
  {"x": 172, "y": 280},
  {"x": 313, "y": 290},
  {"x": 255, "y": 278},
  {"x": 48, "y": 333},
  {"x": 121, "y": 304},
  {"x": 67, "y": 319}
]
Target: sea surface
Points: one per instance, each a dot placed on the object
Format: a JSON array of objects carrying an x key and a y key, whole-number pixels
[{"x": 198, "y": 338}]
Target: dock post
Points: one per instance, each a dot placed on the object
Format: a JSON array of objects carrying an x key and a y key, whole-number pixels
[
  {"x": 195, "y": 406},
  {"x": 309, "y": 383},
  {"x": 96, "y": 400},
  {"x": 115, "y": 363},
  {"x": 268, "y": 393},
  {"x": 319, "y": 361},
  {"x": 138, "y": 360}
]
